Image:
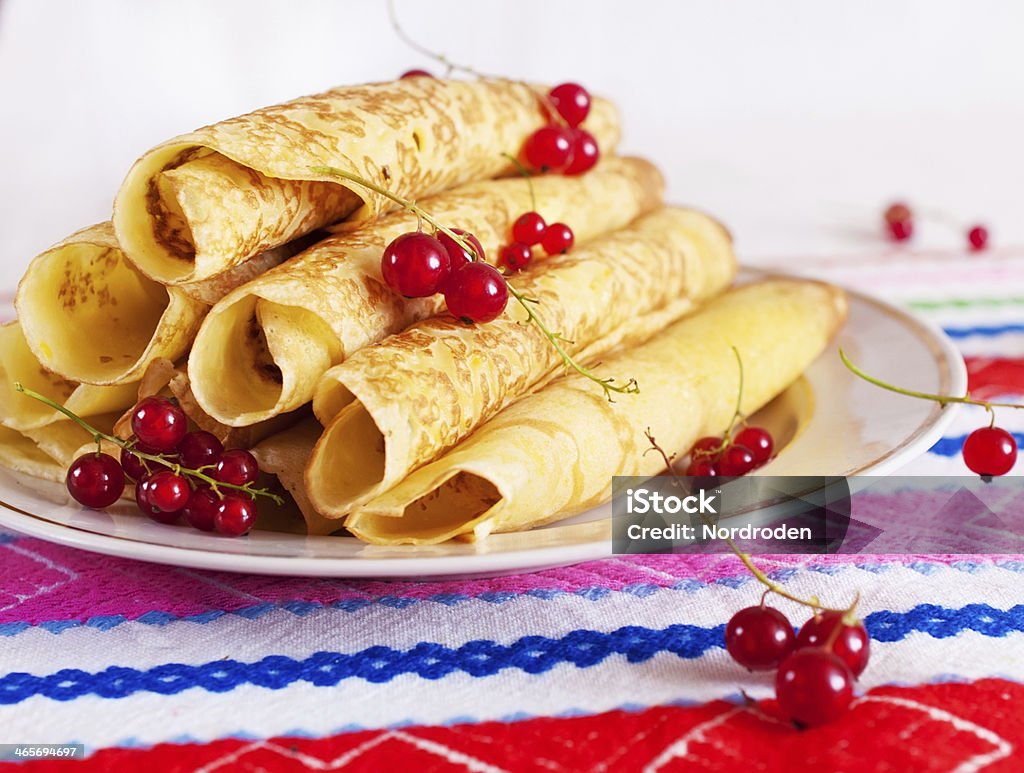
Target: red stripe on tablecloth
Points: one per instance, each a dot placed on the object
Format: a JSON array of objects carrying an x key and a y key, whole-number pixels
[
  {"x": 990, "y": 377},
  {"x": 933, "y": 727}
]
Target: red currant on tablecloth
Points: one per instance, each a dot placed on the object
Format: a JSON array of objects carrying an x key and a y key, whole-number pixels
[
  {"x": 235, "y": 515},
  {"x": 529, "y": 228},
  {"x": 558, "y": 239},
  {"x": 736, "y": 460},
  {"x": 415, "y": 265},
  {"x": 813, "y": 687},
  {"x": 516, "y": 256},
  {"x": 572, "y": 102},
  {"x": 759, "y": 638},
  {"x": 851, "y": 643},
  {"x": 201, "y": 509},
  {"x": 977, "y": 238},
  {"x": 758, "y": 441},
  {"x": 95, "y": 480},
  {"x": 477, "y": 293},
  {"x": 459, "y": 256},
  {"x": 990, "y": 451},
  {"x": 549, "y": 149},
  {"x": 199, "y": 449},
  {"x": 159, "y": 423},
  {"x": 585, "y": 152},
  {"x": 898, "y": 212},
  {"x": 237, "y": 467},
  {"x": 901, "y": 230}
]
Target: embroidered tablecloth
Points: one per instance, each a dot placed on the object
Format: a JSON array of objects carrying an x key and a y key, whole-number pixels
[{"x": 610, "y": 665}]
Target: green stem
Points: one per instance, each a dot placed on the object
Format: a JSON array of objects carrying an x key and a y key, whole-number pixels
[
  {"x": 748, "y": 562},
  {"x": 607, "y": 384},
  {"x": 940, "y": 399},
  {"x": 176, "y": 467},
  {"x": 526, "y": 174}
]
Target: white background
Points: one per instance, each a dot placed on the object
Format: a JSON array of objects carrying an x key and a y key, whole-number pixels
[{"x": 793, "y": 121}]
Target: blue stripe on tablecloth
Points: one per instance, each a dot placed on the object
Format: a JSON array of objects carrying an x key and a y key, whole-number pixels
[
  {"x": 984, "y": 331},
  {"x": 950, "y": 446},
  {"x": 482, "y": 658}
]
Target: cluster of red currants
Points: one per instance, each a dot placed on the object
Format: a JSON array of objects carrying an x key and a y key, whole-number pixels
[
  {"x": 163, "y": 490},
  {"x": 816, "y": 668},
  {"x": 733, "y": 456},
  {"x": 530, "y": 230},
  {"x": 899, "y": 223},
  {"x": 566, "y": 149}
]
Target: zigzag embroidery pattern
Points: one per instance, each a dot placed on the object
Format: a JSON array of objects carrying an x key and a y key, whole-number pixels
[{"x": 429, "y": 660}]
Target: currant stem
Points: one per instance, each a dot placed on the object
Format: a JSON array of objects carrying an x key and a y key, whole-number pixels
[
  {"x": 175, "y": 467},
  {"x": 940, "y": 399},
  {"x": 525, "y": 173},
  {"x": 607, "y": 384},
  {"x": 630, "y": 387},
  {"x": 773, "y": 587}
]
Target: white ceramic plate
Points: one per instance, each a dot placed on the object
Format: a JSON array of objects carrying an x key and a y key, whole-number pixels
[{"x": 828, "y": 423}]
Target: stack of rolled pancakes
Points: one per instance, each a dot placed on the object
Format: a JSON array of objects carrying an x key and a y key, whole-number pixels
[{"x": 249, "y": 287}]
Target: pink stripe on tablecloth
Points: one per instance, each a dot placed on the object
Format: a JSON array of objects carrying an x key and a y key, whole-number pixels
[{"x": 46, "y": 582}]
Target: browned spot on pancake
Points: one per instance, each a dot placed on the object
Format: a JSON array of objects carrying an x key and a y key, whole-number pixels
[
  {"x": 168, "y": 228},
  {"x": 263, "y": 362}
]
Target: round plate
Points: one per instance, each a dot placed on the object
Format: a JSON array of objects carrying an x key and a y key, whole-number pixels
[{"x": 827, "y": 423}]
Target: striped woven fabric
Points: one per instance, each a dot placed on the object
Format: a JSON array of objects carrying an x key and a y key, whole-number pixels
[{"x": 615, "y": 664}]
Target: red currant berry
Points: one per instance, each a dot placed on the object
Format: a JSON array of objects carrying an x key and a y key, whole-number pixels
[
  {"x": 813, "y": 687},
  {"x": 736, "y": 460},
  {"x": 852, "y": 645},
  {"x": 572, "y": 102},
  {"x": 134, "y": 467},
  {"x": 147, "y": 507},
  {"x": 529, "y": 228},
  {"x": 237, "y": 467},
  {"x": 707, "y": 447},
  {"x": 477, "y": 293},
  {"x": 201, "y": 509},
  {"x": 759, "y": 638},
  {"x": 95, "y": 480},
  {"x": 159, "y": 423},
  {"x": 199, "y": 449},
  {"x": 548, "y": 149},
  {"x": 585, "y": 152},
  {"x": 557, "y": 239},
  {"x": 167, "y": 491},
  {"x": 898, "y": 212},
  {"x": 415, "y": 265},
  {"x": 458, "y": 255},
  {"x": 516, "y": 256},
  {"x": 235, "y": 515},
  {"x": 701, "y": 468},
  {"x": 758, "y": 441},
  {"x": 990, "y": 451},
  {"x": 415, "y": 74},
  {"x": 977, "y": 238},
  {"x": 901, "y": 230}
]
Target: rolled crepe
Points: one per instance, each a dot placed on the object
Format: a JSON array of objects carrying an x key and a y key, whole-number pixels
[
  {"x": 203, "y": 202},
  {"x": 89, "y": 315},
  {"x": 19, "y": 412},
  {"x": 402, "y": 403},
  {"x": 553, "y": 454},
  {"x": 284, "y": 455},
  {"x": 20, "y": 453},
  {"x": 263, "y": 348}
]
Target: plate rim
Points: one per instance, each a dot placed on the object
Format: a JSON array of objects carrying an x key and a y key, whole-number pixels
[{"x": 944, "y": 353}]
